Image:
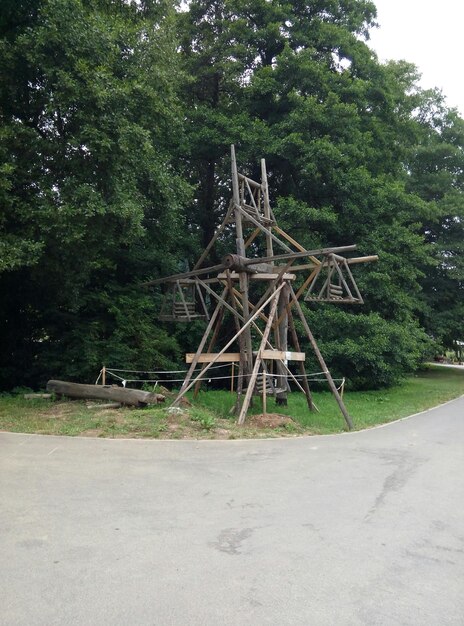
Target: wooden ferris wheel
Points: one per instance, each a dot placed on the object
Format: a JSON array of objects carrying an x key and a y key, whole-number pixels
[{"x": 258, "y": 295}]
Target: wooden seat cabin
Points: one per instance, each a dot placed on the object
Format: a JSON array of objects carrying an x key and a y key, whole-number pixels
[
  {"x": 183, "y": 302},
  {"x": 339, "y": 285}
]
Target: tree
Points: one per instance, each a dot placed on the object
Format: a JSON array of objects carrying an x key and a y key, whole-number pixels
[
  {"x": 437, "y": 176},
  {"x": 297, "y": 83},
  {"x": 90, "y": 195}
]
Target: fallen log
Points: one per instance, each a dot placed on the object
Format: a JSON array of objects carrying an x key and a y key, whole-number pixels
[{"x": 130, "y": 397}]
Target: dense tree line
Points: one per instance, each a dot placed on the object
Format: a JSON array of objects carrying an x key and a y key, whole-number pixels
[{"x": 116, "y": 120}]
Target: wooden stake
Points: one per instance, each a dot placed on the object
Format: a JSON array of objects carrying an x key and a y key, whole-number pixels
[
  {"x": 185, "y": 384},
  {"x": 296, "y": 343},
  {"x": 103, "y": 375},
  {"x": 264, "y": 392},
  {"x": 210, "y": 347},
  {"x": 320, "y": 358},
  {"x": 258, "y": 360}
]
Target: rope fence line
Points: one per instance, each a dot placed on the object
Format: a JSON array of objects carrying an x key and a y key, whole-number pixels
[{"x": 111, "y": 372}]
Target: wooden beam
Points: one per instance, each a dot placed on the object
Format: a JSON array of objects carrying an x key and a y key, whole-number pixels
[
  {"x": 208, "y": 357},
  {"x": 235, "y": 276},
  {"x": 282, "y": 355},
  {"x": 265, "y": 230},
  {"x": 234, "y": 357},
  {"x": 322, "y": 363},
  {"x": 251, "y": 238},
  {"x": 214, "y": 238},
  {"x": 297, "y": 245}
]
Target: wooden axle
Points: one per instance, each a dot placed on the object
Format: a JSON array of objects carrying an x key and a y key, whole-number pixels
[{"x": 259, "y": 276}]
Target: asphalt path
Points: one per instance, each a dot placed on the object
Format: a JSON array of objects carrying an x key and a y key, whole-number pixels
[{"x": 361, "y": 528}]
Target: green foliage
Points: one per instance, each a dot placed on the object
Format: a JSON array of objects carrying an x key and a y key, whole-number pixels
[
  {"x": 90, "y": 198},
  {"x": 369, "y": 351},
  {"x": 356, "y": 153},
  {"x": 205, "y": 420},
  {"x": 116, "y": 120}
]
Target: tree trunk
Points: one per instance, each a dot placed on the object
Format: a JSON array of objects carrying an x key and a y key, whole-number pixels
[{"x": 130, "y": 397}]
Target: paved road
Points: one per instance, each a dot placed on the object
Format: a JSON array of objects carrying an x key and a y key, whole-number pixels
[{"x": 364, "y": 528}]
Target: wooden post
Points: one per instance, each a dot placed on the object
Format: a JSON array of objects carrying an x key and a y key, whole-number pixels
[
  {"x": 240, "y": 243},
  {"x": 210, "y": 347},
  {"x": 281, "y": 333},
  {"x": 264, "y": 392},
  {"x": 103, "y": 375},
  {"x": 296, "y": 343},
  {"x": 201, "y": 345},
  {"x": 267, "y": 206},
  {"x": 258, "y": 360},
  {"x": 320, "y": 358}
]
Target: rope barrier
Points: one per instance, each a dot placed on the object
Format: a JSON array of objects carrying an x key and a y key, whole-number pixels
[
  {"x": 112, "y": 369},
  {"x": 124, "y": 381}
]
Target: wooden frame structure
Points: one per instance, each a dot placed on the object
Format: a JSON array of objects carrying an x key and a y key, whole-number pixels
[{"x": 258, "y": 293}]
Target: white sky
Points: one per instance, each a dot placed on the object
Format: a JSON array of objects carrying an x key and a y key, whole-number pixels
[{"x": 429, "y": 34}]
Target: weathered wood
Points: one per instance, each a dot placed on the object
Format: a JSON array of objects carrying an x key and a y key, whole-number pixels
[
  {"x": 281, "y": 332},
  {"x": 35, "y": 396},
  {"x": 211, "y": 345},
  {"x": 320, "y": 358},
  {"x": 267, "y": 206},
  {"x": 185, "y": 387},
  {"x": 297, "y": 245},
  {"x": 226, "y": 357},
  {"x": 240, "y": 246},
  {"x": 186, "y": 383},
  {"x": 283, "y": 355},
  {"x": 129, "y": 397},
  {"x": 250, "y": 206},
  {"x": 234, "y": 357},
  {"x": 175, "y": 277},
  {"x": 296, "y": 343},
  {"x": 221, "y": 299},
  {"x": 259, "y": 276},
  {"x": 259, "y": 358}
]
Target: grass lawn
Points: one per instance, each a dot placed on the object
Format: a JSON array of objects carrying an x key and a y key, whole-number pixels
[{"x": 208, "y": 416}]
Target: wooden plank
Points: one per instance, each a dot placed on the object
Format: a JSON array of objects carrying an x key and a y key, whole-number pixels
[
  {"x": 283, "y": 355},
  {"x": 209, "y": 357},
  {"x": 234, "y": 357}
]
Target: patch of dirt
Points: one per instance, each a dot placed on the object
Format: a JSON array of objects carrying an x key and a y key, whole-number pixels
[
  {"x": 57, "y": 410},
  {"x": 269, "y": 420},
  {"x": 92, "y": 432}
]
